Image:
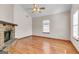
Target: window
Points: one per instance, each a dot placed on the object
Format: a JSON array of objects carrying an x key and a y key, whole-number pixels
[
  {"x": 75, "y": 25},
  {"x": 46, "y": 26}
]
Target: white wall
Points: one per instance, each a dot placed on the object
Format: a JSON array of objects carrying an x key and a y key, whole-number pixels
[
  {"x": 6, "y": 12},
  {"x": 16, "y": 14},
  {"x": 74, "y": 9},
  {"x": 59, "y": 26},
  {"x": 24, "y": 21}
]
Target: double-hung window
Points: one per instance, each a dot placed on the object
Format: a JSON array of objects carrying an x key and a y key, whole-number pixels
[
  {"x": 75, "y": 25},
  {"x": 46, "y": 26}
]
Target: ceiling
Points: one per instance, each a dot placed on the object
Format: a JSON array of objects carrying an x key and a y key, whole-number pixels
[{"x": 49, "y": 9}]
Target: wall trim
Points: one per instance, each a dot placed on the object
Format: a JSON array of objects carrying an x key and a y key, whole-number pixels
[
  {"x": 24, "y": 37},
  {"x": 51, "y": 38},
  {"x": 74, "y": 46}
]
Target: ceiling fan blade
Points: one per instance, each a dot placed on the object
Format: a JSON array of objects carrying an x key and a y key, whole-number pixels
[{"x": 42, "y": 8}]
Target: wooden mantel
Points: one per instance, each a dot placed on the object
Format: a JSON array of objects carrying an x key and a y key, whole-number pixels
[{"x": 4, "y": 22}]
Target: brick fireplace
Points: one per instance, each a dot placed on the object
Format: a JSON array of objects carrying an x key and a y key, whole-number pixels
[{"x": 7, "y": 33}]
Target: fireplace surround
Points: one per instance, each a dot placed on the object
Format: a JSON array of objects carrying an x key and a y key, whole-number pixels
[{"x": 7, "y": 33}]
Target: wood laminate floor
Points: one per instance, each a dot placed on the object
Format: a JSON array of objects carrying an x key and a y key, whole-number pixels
[{"x": 40, "y": 45}]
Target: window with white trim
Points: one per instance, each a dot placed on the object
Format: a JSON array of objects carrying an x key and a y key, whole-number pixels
[
  {"x": 75, "y": 25},
  {"x": 46, "y": 24}
]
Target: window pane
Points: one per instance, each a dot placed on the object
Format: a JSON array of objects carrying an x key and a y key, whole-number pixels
[
  {"x": 75, "y": 29},
  {"x": 75, "y": 18}
]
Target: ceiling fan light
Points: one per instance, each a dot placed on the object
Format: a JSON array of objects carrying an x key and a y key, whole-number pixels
[
  {"x": 38, "y": 9},
  {"x": 34, "y": 9}
]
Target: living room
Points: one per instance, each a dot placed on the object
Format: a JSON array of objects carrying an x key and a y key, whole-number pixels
[{"x": 39, "y": 29}]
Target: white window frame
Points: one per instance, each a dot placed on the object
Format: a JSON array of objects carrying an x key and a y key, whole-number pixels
[
  {"x": 46, "y": 26},
  {"x": 75, "y": 25}
]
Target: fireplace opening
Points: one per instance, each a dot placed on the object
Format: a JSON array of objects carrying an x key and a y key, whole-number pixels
[{"x": 7, "y": 35}]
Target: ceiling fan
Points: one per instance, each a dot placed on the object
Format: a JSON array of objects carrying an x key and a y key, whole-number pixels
[{"x": 37, "y": 8}]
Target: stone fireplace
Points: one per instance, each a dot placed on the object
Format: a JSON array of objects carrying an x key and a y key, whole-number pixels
[{"x": 7, "y": 33}]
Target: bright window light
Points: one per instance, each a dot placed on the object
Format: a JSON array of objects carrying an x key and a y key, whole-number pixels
[
  {"x": 75, "y": 25},
  {"x": 46, "y": 26}
]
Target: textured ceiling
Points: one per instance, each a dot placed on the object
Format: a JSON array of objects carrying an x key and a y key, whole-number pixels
[{"x": 49, "y": 9}]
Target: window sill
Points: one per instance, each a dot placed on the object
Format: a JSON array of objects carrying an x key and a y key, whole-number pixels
[{"x": 46, "y": 32}]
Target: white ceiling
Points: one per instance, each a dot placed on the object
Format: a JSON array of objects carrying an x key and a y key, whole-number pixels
[{"x": 49, "y": 9}]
